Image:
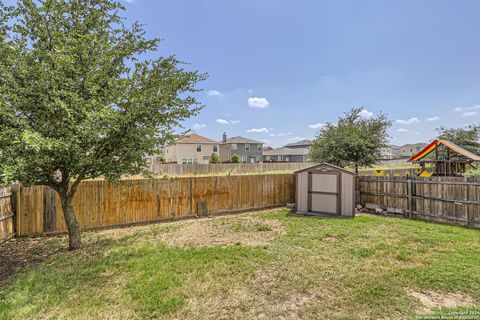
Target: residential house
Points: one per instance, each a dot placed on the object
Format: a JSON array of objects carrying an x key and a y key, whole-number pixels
[
  {"x": 302, "y": 144},
  {"x": 292, "y": 152},
  {"x": 396, "y": 155},
  {"x": 391, "y": 152},
  {"x": 190, "y": 149},
  {"x": 408, "y": 150},
  {"x": 248, "y": 150}
]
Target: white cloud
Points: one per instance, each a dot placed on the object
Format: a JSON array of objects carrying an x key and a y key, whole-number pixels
[
  {"x": 260, "y": 103},
  {"x": 408, "y": 121},
  {"x": 469, "y": 113},
  {"x": 460, "y": 109},
  {"x": 215, "y": 93},
  {"x": 198, "y": 126},
  {"x": 258, "y": 130},
  {"x": 434, "y": 118},
  {"x": 366, "y": 114},
  {"x": 316, "y": 126},
  {"x": 129, "y": 1},
  {"x": 234, "y": 121},
  {"x": 222, "y": 121},
  {"x": 402, "y": 130}
]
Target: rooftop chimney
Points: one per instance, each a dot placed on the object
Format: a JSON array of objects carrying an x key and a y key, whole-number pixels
[{"x": 224, "y": 137}]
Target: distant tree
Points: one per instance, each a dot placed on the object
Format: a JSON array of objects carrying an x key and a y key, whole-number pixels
[
  {"x": 354, "y": 141},
  {"x": 467, "y": 137},
  {"x": 76, "y": 99},
  {"x": 214, "y": 158},
  {"x": 235, "y": 159}
]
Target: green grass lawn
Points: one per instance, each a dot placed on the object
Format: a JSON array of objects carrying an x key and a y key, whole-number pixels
[{"x": 268, "y": 264}]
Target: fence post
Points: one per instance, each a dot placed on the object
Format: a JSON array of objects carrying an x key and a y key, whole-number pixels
[
  {"x": 410, "y": 197},
  {"x": 191, "y": 196},
  {"x": 358, "y": 195},
  {"x": 13, "y": 203}
]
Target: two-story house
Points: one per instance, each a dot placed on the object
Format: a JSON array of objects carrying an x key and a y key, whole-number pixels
[
  {"x": 292, "y": 152},
  {"x": 191, "y": 149},
  {"x": 390, "y": 152},
  {"x": 409, "y": 150},
  {"x": 248, "y": 150}
]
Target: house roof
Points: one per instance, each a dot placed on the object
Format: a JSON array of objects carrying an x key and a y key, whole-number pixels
[
  {"x": 415, "y": 145},
  {"x": 450, "y": 145},
  {"x": 241, "y": 140},
  {"x": 299, "y": 143},
  {"x": 195, "y": 138},
  {"x": 286, "y": 152},
  {"x": 326, "y": 165}
]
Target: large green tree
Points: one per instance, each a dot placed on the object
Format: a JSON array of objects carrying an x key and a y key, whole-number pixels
[
  {"x": 356, "y": 140},
  {"x": 468, "y": 137},
  {"x": 79, "y": 98}
]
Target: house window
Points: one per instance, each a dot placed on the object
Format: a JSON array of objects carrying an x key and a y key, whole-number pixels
[
  {"x": 234, "y": 146},
  {"x": 247, "y": 147},
  {"x": 199, "y": 148},
  {"x": 188, "y": 161},
  {"x": 215, "y": 148},
  {"x": 259, "y": 147}
]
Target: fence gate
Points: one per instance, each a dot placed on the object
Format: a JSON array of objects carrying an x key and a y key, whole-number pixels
[
  {"x": 324, "y": 192},
  {"x": 6, "y": 214}
]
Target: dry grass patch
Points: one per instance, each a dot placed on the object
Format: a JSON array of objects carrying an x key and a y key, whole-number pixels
[
  {"x": 247, "y": 230},
  {"x": 431, "y": 300}
]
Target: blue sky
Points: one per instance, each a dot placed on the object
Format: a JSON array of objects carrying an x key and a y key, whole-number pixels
[{"x": 280, "y": 69}]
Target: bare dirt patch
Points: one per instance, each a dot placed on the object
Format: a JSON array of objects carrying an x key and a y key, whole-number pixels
[
  {"x": 224, "y": 231},
  {"x": 433, "y": 300},
  {"x": 19, "y": 253},
  {"x": 330, "y": 239}
]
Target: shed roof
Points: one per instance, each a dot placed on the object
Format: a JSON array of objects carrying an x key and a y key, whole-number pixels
[
  {"x": 331, "y": 166},
  {"x": 450, "y": 145}
]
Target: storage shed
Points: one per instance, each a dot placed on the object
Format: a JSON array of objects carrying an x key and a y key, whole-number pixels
[{"x": 325, "y": 190}]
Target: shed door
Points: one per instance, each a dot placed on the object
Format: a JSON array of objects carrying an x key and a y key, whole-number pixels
[{"x": 324, "y": 192}]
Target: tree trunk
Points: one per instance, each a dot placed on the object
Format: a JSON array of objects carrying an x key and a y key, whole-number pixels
[
  {"x": 356, "y": 169},
  {"x": 75, "y": 240}
]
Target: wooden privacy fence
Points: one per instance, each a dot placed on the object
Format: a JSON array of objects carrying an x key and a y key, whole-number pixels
[
  {"x": 223, "y": 168},
  {"x": 399, "y": 172},
  {"x": 448, "y": 200},
  {"x": 101, "y": 203},
  {"x": 157, "y": 167},
  {"x": 6, "y": 214}
]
